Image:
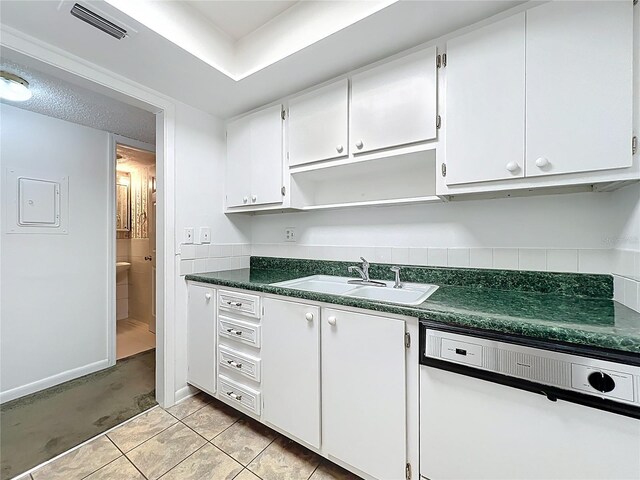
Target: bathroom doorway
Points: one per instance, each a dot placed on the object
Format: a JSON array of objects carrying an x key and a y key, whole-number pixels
[{"x": 135, "y": 247}]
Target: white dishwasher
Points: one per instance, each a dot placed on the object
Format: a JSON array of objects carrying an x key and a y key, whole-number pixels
[{"x": 494, "y": 409}]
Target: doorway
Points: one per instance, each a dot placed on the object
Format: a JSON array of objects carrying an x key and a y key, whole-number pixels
[{"x": 135, "y": 228}]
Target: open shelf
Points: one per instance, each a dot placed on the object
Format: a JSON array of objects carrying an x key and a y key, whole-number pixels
[{"x": 400, "y": 179}]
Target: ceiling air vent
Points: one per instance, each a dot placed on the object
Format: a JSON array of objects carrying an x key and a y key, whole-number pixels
[{"x": 97, "y": 21}]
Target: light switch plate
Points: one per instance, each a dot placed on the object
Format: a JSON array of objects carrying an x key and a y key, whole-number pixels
[
  {"x": 188, "y": 235},
  {"x": 205, "y": 235}
]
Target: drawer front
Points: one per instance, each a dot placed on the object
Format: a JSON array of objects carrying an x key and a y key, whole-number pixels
[
  {"x": 242, "y": 303},
  {"x": 239, "y": 362},
  {"x": 240, "y": 394},
  {"x": 239, "y": 331}
]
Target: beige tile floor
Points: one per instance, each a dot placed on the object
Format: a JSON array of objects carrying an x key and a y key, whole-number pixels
[
  {"x": 133, "y": 336},
  {"x": 198, "y": 439}
]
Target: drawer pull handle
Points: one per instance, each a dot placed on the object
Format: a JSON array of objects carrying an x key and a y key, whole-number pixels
[
  {"x": 237, "y": 304},
  {"x": 234, "y": 396},
  {"x": 235, "y": 332},
  {"x": 234, "y": 364}
]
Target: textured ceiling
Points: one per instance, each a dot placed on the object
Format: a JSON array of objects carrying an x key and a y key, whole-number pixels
[{"x": 57, "y": 98}]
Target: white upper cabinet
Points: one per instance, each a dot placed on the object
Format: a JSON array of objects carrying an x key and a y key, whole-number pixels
[
  {"x": 254, "y": 159},
  {"x": 485, "y": 98},
  {"x": 579, "y": 87},
  {"x": 394, "y": 104},
  {"x": 318, "y": 124}
]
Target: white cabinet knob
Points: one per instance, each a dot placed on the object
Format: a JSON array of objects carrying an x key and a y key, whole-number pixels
[
  {"x": 359, "y": 144},
  {"x": 512, "y": 166},
  {"x": 207, "y": 296},
  {"x": 331, "y": 320},
  {"x": 542, "y": 162},
  {"x": 339, "y": 148},
  {"x": 254, "y": 198},
  {"x": 309, "y": 316},
  {"x": 245, "y": 199}
]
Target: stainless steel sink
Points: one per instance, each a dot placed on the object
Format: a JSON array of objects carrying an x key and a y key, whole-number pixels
[{"x": 410, "y": 294}]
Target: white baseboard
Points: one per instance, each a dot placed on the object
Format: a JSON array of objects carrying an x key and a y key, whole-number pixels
[
  {"x": 53, "y": 380},
  {"x": 185, "y": 392}
]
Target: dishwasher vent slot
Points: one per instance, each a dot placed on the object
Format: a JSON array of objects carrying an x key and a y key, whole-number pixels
[
  {"x": 490, "y": 358},
  {"x": 534, "y": 368},
  {"x": 433, "y": 346}
]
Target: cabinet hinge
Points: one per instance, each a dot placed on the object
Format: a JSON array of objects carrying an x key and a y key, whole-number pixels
[
  {"x": 443, "y": 169},
  {"x": 634, "y": 145},
  {"x": 283, "y": 190},
  {"x": 635, "y": 2},
  {"x": 441, "y": 60},
  {"x": 407, "y": 339},
  {"x": 283, "y": 114},
  {"x": 438, "y": 121},
  {"x": 408, "y": 471}
]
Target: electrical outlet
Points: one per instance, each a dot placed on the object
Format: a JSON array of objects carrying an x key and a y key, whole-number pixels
[
  {"x": 188, "y": 235},
  {"x": 205, "y": 235},
  {"x": 290, "y": 234}
]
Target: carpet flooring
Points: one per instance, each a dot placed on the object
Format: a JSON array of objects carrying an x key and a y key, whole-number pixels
[{"x": 37, "y": 427}]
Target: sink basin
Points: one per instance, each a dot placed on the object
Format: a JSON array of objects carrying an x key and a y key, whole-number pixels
[
  {"x": 122, "y": 267},
  {"x": 320, "y": 283},
  {"x": 410, "y": 294}
]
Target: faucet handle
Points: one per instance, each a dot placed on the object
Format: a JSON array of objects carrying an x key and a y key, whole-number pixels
[
  {"x": 364, "y": 261},
  {"x": 396, "y": 269}
]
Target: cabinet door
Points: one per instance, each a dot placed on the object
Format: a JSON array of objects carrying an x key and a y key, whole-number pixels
[
  {"x": 394, "y": 104},
  {"x": 291, "y": 368},
  {"x": 363, "y": 392},
  {"x": 318, "y": 124},
  {"x": 238, "y": 165},
  {"x": 485, "y": 103},
  {"x": 579, "y": 87},
  {"x": 266, "y": 156},
  {"x": 201, "y": 338}
]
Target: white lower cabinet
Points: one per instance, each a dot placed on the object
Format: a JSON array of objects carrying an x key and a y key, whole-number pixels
[
  {"x": 332, "y": 379},
  {"x": 291, "y": 368},
  {"x": 364, "y": 392},
  {"x": 201, "y": 338}
]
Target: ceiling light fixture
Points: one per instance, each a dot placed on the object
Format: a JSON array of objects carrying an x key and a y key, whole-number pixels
[{"x": 13, "y": 87}]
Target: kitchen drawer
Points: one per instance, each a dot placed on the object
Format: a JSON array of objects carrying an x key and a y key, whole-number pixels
[
  {"x": 239, "y": 362},
  {"x": 240, "y": 394},
  {"x": 242, "y": 303},
  {"x": 239, "y": 331}
]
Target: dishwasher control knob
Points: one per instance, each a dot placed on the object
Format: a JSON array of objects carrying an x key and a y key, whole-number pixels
[{"x": 601, "y": 382}]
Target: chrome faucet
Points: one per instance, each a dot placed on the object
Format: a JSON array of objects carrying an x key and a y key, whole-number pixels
[
  {"x": 398, "y": 283},
  {"x": 363, "y": 271}
]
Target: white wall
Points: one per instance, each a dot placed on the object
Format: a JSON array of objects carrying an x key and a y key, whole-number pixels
[
  {"x": 571, "y": 232},
  {"x": 54, "y": 294},
  {"x": 200, "y": 151},
  {"x": 626, "y": 248}
]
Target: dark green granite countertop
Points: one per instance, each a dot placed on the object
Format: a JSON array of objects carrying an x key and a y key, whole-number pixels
[{"x": 579, "y": 311}]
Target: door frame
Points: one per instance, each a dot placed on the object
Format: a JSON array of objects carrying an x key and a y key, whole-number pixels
[
  {"x": 165, "y": 110},
  {"x": 114, "y": 141}
]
